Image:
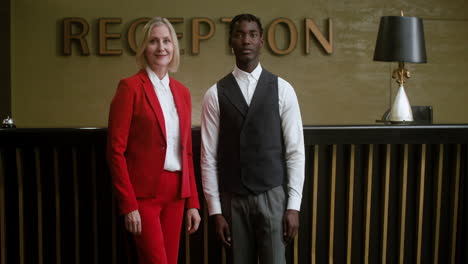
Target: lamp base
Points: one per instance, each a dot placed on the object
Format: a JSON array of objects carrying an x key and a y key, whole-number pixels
[{"x": 401, "y": 108}]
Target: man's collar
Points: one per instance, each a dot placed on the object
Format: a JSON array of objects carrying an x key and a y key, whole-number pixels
[{"x": 238, "y": 73}]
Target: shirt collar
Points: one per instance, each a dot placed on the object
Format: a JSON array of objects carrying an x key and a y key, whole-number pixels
[
  {"x": 164, "y": 82},
  {"x": 242, "y": 75}
]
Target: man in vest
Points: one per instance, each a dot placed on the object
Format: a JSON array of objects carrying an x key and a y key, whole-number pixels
[{"x": 252, "y": 154}]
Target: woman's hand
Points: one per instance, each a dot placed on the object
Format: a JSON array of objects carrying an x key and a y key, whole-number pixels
[
  {"x": 192, "y": 220},
  {"x": 133, "y": 222}
]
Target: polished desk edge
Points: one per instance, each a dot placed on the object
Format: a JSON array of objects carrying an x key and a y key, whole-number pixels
[{"x": 317, "y": 134}]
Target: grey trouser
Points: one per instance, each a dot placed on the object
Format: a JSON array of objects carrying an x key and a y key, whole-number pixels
[{"x": 256, "y": 223}]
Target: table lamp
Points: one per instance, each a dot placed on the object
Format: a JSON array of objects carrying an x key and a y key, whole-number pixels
[{"x": 400, "y": 39}]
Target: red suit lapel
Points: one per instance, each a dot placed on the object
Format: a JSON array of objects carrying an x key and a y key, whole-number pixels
[
  {"x": 153, "y": 100},
  {"x": 181, "y": 109}
]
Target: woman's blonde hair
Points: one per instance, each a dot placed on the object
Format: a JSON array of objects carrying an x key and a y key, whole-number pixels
[{"x": 140, "y": 54}]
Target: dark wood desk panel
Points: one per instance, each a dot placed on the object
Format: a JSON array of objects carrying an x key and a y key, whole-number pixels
[{"x": 372, "y": 194}]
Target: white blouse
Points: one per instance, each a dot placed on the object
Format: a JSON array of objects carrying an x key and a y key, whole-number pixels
[{"x": 171, "y": 121}]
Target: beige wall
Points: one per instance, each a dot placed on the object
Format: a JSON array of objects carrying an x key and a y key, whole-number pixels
[{"x": 347, "y": 87}]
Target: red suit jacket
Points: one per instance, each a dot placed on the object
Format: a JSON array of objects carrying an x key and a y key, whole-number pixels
[{"x": 136, "y": 141}]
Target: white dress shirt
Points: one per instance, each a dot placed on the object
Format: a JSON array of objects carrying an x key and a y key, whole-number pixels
[
  {"x": 171, "y": 121},
  {"x": 293, "y": 136}
]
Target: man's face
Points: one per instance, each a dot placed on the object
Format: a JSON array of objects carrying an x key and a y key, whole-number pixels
[{"x": 246, "y": 42}]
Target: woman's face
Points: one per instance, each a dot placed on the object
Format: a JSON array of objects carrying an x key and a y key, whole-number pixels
[{"x": 159, "y": 48}]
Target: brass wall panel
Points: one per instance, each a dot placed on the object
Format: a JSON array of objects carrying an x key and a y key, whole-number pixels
[{"x": 341, "y": 79}]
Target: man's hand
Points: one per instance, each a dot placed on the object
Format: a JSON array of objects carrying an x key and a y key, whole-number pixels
[
  {"x": 222, "y": 229},
  {"x": 192, "y": 220},
  {"x": 133, "y": 222},
  {"x": 290, "y": 225}
]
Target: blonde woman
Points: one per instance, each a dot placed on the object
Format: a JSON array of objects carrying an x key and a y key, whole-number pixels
[{"x": 150, "y": 149}]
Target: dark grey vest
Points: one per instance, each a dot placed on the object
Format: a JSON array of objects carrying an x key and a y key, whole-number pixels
[{"x": 250, "y": 146}]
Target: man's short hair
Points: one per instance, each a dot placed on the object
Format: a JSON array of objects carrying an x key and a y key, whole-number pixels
[{"x": 244, "y": 17}]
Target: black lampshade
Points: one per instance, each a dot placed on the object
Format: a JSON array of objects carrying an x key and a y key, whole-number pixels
[{"x": 400, "y": 39}]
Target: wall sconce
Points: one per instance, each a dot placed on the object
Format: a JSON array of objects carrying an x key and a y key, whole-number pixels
[{"x": 400, "y": 39}]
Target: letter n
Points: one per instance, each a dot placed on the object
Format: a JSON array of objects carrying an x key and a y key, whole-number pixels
[{"x": 310, "y": 26}]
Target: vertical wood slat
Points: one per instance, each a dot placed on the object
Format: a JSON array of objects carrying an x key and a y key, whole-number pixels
[
  {"x": 40, "y": 246},
  {"x": 114, "y": 231},
  {"x": 332, "y": 207},
  {"x": 94, "y": 205},
  {"x": 20, "y": 175},
  {"x": 296, "y": 249},
  {"x": 58, "y": 250},
  {"x": 421, "y": 203},
  {"x": 314, "y": 205},
  {"x": 350, "y": 205},
  {"x": 76, "y": 199},
  {"x": 438, "y": 203},
  {"x": 368, "y": 203},
  {"x": 403, "y": 205},
  {"x": 455, "y": 205},
  {"x": 223, "y": 255},
  {"x": 2, "y": 212},
  {"x": 187, "y": 248},
  {"x": 386, "y": 202},
  {"x": 205, "y": 235}
]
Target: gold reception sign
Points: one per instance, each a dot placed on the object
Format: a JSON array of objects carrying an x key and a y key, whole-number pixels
[{"x": 76, "y": 31}]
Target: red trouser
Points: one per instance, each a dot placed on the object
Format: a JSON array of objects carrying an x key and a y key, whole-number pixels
[{"x": 161, "y": 220}]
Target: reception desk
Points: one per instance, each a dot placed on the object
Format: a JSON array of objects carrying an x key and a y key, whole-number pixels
[{"x": 372, "y": 194}]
